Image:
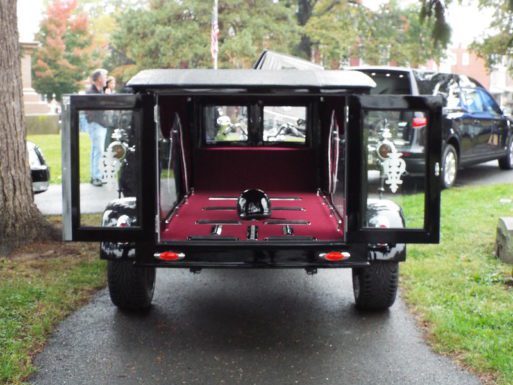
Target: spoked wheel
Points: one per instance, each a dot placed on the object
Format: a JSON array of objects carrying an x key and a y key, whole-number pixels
[
  {"x": 506, "y": 163},
  {"x": 131, "y": 288},
  {"x": 375, "y": 287},
  {"x": 449, "y": 166}
]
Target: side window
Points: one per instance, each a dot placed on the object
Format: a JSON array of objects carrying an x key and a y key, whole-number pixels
[
  {"x": 472, "y": 100},
  {"x": 453, "y": 93},
  {"x": 284, "y": 124},
  {"x": 489, "y": 103},
  {"x": 228, "y": 123}
]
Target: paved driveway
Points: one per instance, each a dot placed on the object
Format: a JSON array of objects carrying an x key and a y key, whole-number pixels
[{"x": 244, "y": 327}]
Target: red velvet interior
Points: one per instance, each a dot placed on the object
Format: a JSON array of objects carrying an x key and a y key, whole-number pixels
[
  {"x": 266, "y": 168},
  {"x": 322, "y": 225}
]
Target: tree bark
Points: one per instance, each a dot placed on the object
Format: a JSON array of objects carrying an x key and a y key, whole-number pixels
[
  {"x": 304, "y": 12},
  {"x": 20, "y": 220}
]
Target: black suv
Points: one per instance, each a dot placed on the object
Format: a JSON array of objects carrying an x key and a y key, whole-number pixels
[{"x": 474, "y": 128}]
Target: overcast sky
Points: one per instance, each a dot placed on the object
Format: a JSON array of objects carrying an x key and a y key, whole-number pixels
[{"x": 467, "y": 22}]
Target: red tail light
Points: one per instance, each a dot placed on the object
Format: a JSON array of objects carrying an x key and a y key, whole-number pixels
[
  {"x": 335, "y": 256},
  {"x": 419, "y": 122},
  {"x": 169, "y": 256}
]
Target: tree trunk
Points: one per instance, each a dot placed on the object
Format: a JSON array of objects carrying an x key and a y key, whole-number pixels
[
  {"x": 20, "y": 220},
  {"x": 304, "y": 12}
]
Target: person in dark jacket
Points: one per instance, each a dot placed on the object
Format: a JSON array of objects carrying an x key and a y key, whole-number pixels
[{"x": 97, "y": 126}]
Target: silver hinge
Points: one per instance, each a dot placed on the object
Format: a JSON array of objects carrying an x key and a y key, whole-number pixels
[
  {"x": 437, "y": 169},
  {"x": 156, "y": 116},
  {"x": 346, "y": 113}
]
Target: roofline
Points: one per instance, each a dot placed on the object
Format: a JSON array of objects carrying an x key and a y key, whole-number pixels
[{"x": 250, "y": 79}]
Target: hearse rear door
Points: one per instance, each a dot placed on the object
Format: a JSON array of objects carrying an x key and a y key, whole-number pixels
[
  {"x": 383, "y": 167},
  {"x": 122, "y": 128}
]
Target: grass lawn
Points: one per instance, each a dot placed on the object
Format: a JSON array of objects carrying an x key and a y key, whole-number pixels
[
  {"x": 459, "y": 289},
  {"x": 51, "y": 147},
  {"x": 40, "y": 285}
]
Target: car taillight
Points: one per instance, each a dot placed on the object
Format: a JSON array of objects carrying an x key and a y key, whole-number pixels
[
  {"x": 419, "y": 122},
  {"x": 335, "y": 256},
  {"x": 169, "y": 256}
]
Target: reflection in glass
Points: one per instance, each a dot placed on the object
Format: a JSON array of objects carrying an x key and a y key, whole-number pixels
[
  {"x": 225, "y": 124},
  {"x": 168, "y": 151},
  {"x": 394, "y": 142},
  {"x": 108, "y": 161},
  {"x": 284, "y": 124}
]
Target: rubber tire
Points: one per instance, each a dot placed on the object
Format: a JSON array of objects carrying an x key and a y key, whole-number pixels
[
  {"x": 375, "y": 287},
  {"x": 449, "y": 149},
  {"x": 506, "y": 163},
  {"x": 131, "y": 288}
]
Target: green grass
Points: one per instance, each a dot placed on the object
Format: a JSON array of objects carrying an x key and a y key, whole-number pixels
[
  {"x": 39, "y": 286},
  {"x": 51, "y": 147},
  {"x": 460, "y": 289}
]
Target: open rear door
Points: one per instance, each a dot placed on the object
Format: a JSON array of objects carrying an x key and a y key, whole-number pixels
[
  {"x": 383, "y": 167},
  {"x": 123, "y": 130}
]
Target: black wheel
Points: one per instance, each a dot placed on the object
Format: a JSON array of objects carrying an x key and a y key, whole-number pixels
[
  {"x": 506, "y": 163},
  {"x": 130, "y": 287},
  {"x": 375, "y": 287},
  {"x": 449, "y": 166}
]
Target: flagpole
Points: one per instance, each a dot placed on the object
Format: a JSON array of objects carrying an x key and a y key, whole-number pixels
[{"x": 215, "y": 34}]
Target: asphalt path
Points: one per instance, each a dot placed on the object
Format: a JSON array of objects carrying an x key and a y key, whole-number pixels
[{"x": 244, "y": 327}]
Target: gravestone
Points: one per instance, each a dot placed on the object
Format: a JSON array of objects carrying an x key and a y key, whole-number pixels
[{"x": 504, "y": 240}]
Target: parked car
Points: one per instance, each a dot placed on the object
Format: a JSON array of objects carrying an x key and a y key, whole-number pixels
[
  {"x": 39, "y": 170},
  {"x": 474, "y": 128},
  {"x": 251, "y": 169}
]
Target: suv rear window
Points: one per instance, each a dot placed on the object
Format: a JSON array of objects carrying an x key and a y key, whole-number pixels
[{"x": 389, "y": 82}]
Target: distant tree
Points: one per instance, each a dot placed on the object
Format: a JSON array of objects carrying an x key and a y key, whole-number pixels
[
  {"x": 20, "y": 221},
  {"x": 177, "y": 33},
  {"x": 499, "y": 43},
  {"x": 341, "y": 30},
  {"x": 337, "y": 29},
  {"x": 102, "y": 24},
  {"x": 66, "y": 54},
  {"x": 398, "y": 35},
  {"x": 431, "y": 13}
]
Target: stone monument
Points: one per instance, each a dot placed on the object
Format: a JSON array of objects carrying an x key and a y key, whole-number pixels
[{"x": 39, "y": 117}]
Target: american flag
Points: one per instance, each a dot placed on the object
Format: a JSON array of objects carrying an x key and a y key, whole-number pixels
[{"x": 214, "y": 35}]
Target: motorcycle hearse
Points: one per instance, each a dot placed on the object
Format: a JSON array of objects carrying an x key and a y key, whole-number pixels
[{"x": 252, "y": 169}]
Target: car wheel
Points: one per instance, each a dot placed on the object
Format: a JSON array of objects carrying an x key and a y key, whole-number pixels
[
  {"x": 506, "y": 163},
  {"x": 130, "y": 287},
  {"x": 375, "y": 287},
  {"x": 449, "y": 166}
]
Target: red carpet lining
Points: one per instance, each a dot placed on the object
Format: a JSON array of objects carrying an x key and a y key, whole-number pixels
[{"x": 189, "y": 220}]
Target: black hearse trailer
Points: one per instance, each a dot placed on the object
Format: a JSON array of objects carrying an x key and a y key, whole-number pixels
[{"x": 251, "y": 169}]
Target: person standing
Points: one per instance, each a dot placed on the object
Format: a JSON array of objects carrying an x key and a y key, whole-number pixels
[
  {"x": 97, "y": 126},
  {"x": 110, "y": 87}
]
